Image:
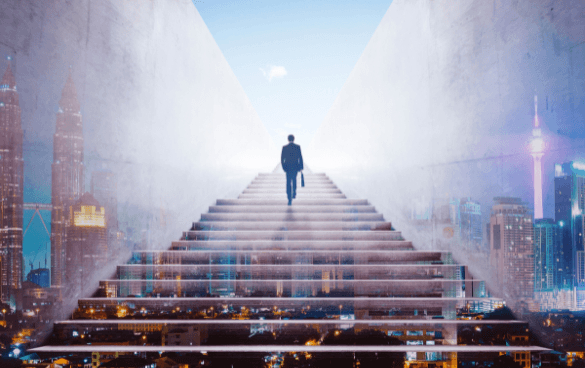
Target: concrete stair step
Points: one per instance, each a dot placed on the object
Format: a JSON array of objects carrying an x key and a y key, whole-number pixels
[
  {"x": 302, "y": 258},
  {"x": 292, "y": 235},
  {"x": 407, "y": 304},
  {"x": 393, "y": 246},
  {"x": 426, "y": 284},
  {"x": 300, "y": 190},
  {"x": 291, "y": 257},
  {"x": 295, "y": 208},
  {"x": 292, "y": 217},
  {"x": 291, "y": 225},
  {"x": 357, "y": 288},
  {"x": 282, "y": 179},
  {"x": 334, "y": 323},
  {"x": 298, "y": 201},
  {"x": 283, "y": 174},
  {"x": 281, "y": 185},
  {"x": 293, "y": 271},
  {"x": 283, "y": 195}
]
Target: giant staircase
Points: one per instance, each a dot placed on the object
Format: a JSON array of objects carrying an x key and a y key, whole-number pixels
[{"x": 254, "y": 266}]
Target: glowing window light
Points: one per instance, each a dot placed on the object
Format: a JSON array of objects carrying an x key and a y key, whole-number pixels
[
  {"x": 89, "y": 217},
  {"x": 579, "y": 166},
  {"x": 575, "y": 210}
]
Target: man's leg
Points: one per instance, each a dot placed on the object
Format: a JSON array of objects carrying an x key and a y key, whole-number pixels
[
  {"x": 288, "y": 186},
  {"x": 294, "y": 184}
]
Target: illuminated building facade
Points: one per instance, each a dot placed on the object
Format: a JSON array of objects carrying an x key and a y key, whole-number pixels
[
  {"x": 325, "y": 267},
  {"x": 40, "y": 276},
  {"x": 87, "y": 246},
  {"x": 104, "y": 189},
  {"x": 555, "y": 299},
  {"x": 546, "y": 245},
  {"x": 11, "y": 189},
  {"x": 450, "y": 222},
  {"x": 569, "y": 207},
  {"x": 37, "y": 302},
  {"x": 67, "y": 176},
  {"x": 511, "y": 248},
  {"x": 470, "y": 224}
]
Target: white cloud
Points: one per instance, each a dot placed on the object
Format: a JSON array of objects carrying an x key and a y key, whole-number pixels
[
  {"x": 292, "y": 125},
  {"x": 274, "y": 72}
]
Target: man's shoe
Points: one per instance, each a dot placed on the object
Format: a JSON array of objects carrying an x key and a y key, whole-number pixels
[{"x": 289, "y": 202}]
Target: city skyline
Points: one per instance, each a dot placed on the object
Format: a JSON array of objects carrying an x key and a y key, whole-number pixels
[
  {"x": 442, "y": 210},
  {"x": 103, "y": 151},
  {"x": 36, "y": 226},
  {"x": 107, "y": 188},
  {"x": 519, "y": 154}
]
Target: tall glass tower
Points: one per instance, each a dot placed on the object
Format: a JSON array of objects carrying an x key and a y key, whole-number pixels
[
  {"x": 569, "y": 207},
  {"x": 11, "y": 189},
  {"x": 511, "y": 248},
  {"x": 67, "y": 176},
  {"x": 547, "y": 261}
]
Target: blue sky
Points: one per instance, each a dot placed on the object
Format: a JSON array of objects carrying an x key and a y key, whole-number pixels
[{"x": 317, "y": 43}]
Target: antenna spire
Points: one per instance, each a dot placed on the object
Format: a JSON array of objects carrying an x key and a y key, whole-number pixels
[{"x": 536, "y": 122}]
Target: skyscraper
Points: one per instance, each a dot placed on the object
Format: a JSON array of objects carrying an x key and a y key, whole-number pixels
[
  {"x": 86, "y": 244},
  {"x": 11, "y": 188},
  {"x": 67, "y": 175},
  {"x": 104, "y": 190},
  {"x": 39, "y": 276},
  {"x": 546, "y": 246},
  {"x": 470, "y": 223},
  {"x": 569, "y": 206},
  {"x": 511, "y": 252},
  {"x": 537, "y": 149}
]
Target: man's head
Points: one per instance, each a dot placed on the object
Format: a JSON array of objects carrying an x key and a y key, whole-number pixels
[{"x": 291, "y": 138}]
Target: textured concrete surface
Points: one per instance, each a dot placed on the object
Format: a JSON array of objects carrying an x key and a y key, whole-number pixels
[
  {"x": 453, "y": 83},
  {"x": 160, "y": 104},
  {"x": 441, "y": 104}
]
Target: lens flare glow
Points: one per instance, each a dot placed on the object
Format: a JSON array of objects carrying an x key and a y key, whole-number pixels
[{"x": 537, "y": 145}]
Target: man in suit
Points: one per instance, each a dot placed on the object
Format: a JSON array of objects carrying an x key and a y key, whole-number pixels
[{"x": 292, "y": 162}]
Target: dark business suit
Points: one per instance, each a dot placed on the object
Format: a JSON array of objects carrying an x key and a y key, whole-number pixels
[{"x": 292, "y": 162}]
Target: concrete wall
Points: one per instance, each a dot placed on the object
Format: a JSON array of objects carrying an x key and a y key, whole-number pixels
[
  {"x": 441, "y": 104},
  {"x": 160, "y": 104}
]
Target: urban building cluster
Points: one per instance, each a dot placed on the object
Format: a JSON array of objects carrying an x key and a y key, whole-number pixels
[
  {"x": 84, "y": 226},
  {"x": 536, "y": 261}
]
